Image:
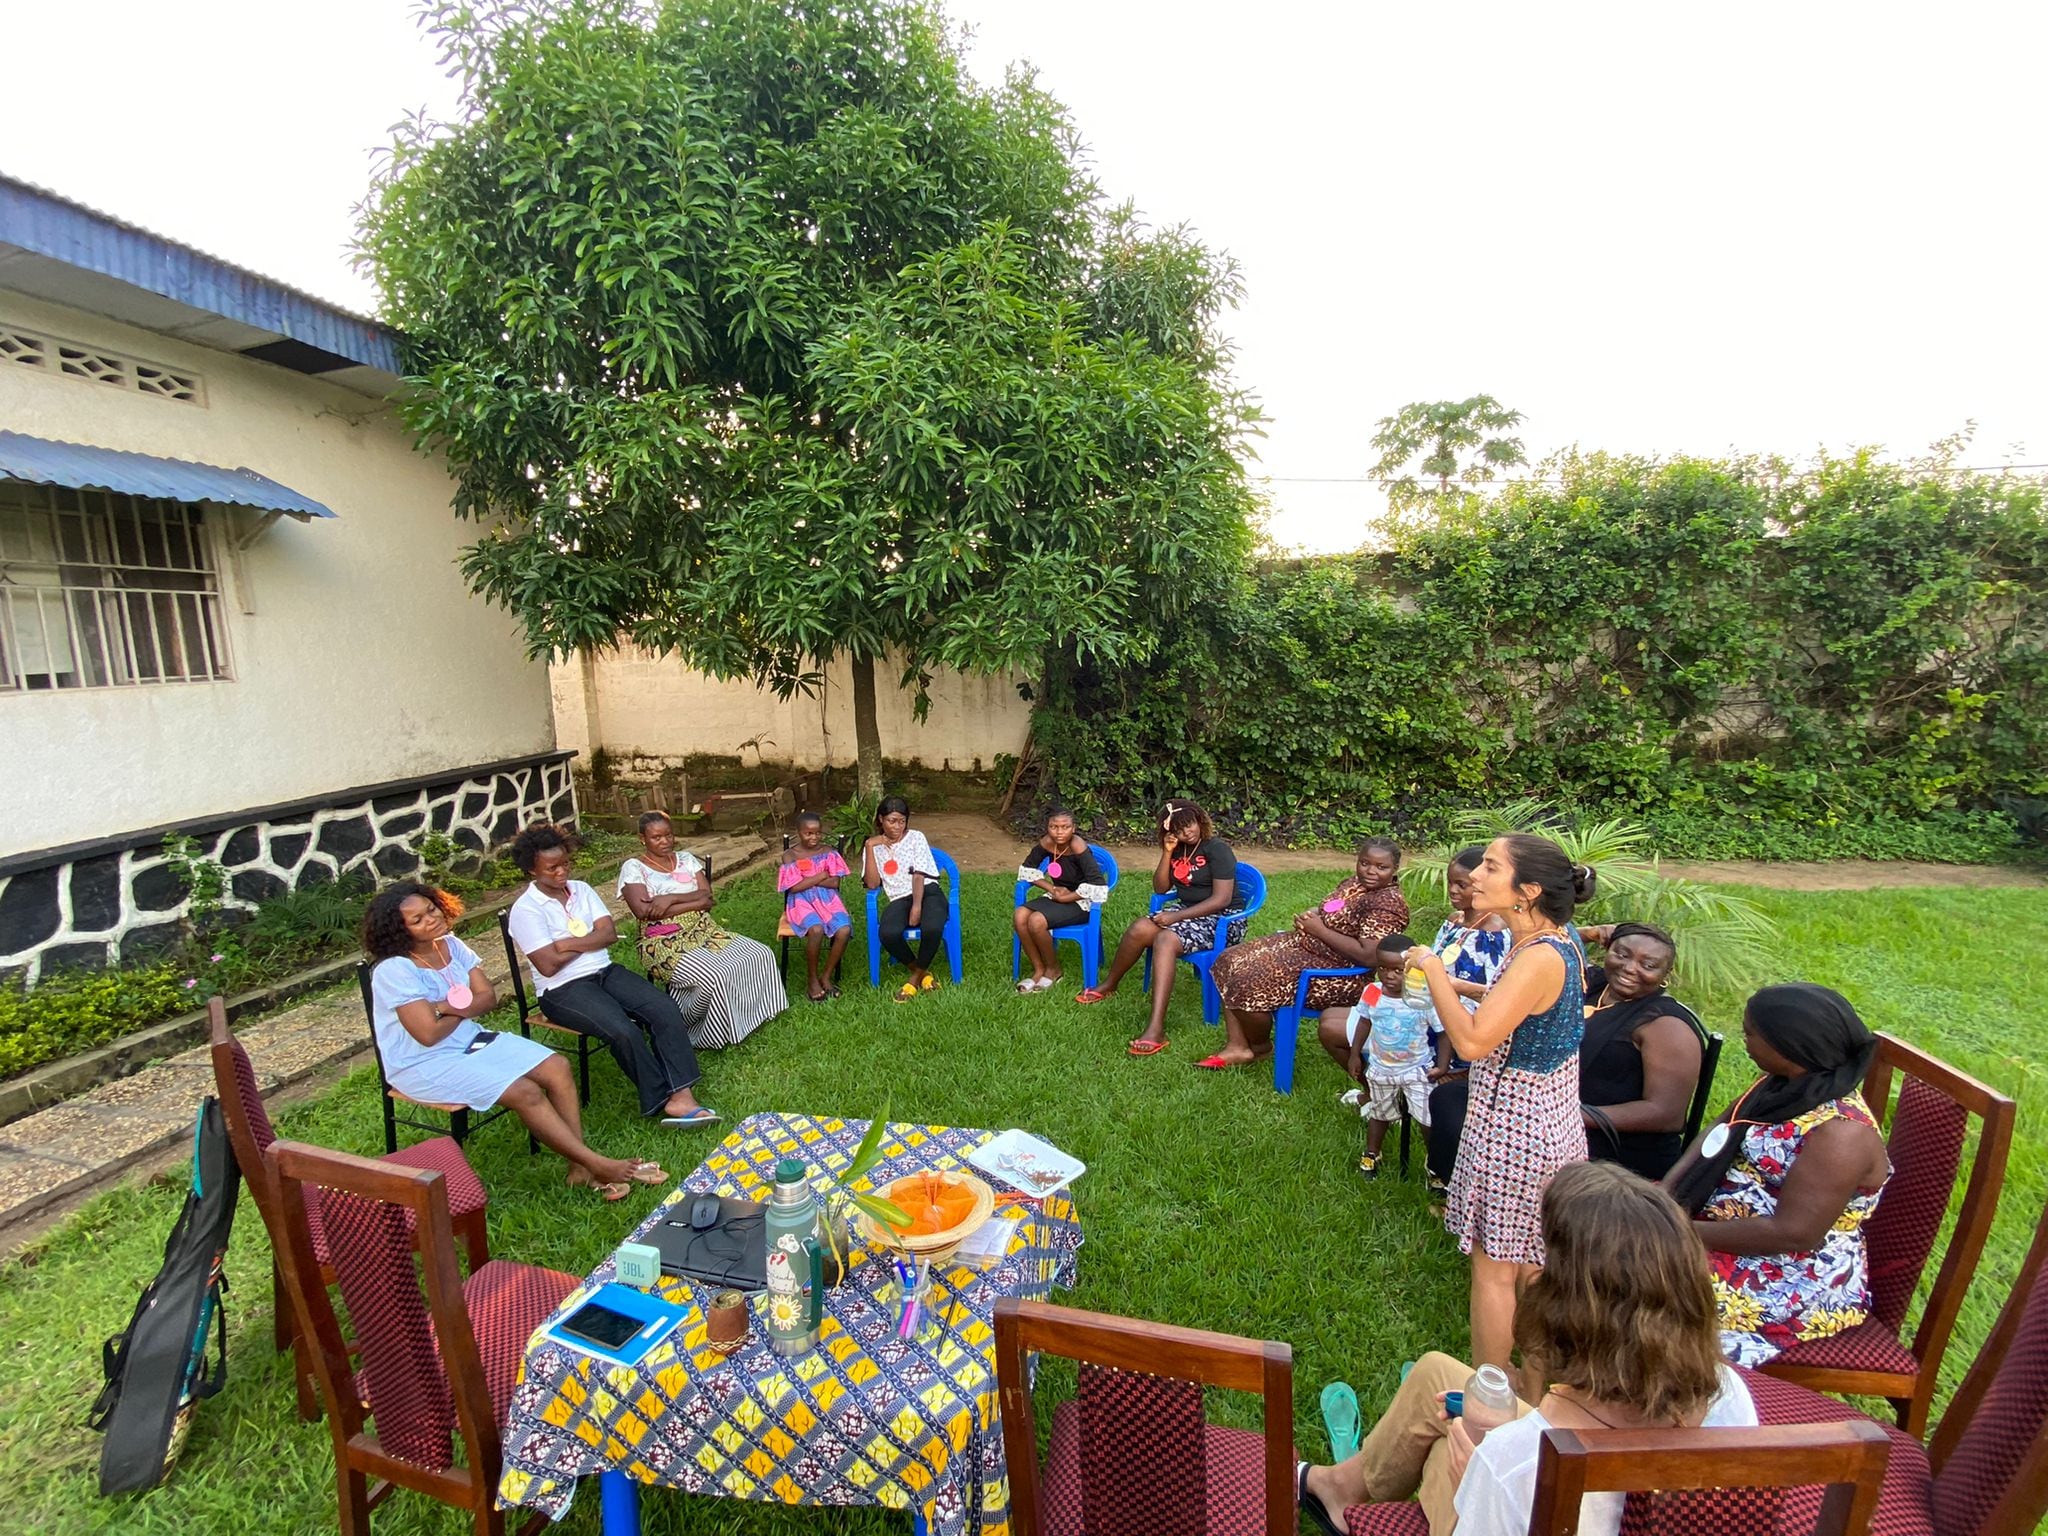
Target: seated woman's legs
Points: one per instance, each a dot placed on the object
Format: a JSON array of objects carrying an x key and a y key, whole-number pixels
[
  {"x": 1333, "y": 1031},
  {"x": 1165, "y": 965},
  {"x": 931, "y": 929},
  {"x": 1405, "y": 1454},
  {"x": 545, "y": 1100},
  {"x": 1248, "y": 1035},
  {"x": 1129, "y": 949},
  {"x": 1034, "y": 939},
  {"x": 891, "y": 925},
  {"x": 642, "y": 1028}
]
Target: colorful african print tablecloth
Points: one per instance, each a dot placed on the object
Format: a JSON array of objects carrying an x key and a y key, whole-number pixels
[{"x": 866, "y": 1418}]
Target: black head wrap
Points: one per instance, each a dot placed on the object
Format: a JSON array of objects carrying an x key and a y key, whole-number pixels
[{"x": 1811, "y": 1026}]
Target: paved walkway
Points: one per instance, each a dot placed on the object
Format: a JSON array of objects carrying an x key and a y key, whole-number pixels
[{"x": 52, "y": 1159}]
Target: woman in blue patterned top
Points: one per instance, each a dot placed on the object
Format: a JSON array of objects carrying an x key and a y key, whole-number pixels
[{"x": 1524, "y": 1121}]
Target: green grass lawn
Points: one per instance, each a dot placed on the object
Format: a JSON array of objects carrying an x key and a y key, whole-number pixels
[{"x": 1209, "y": 1200}]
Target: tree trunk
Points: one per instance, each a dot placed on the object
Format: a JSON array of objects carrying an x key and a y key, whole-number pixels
[{"x": 867, "y": 730}]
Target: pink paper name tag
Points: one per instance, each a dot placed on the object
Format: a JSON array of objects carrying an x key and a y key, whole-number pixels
[
  {"x": 1052, "y": 868},
  {"x": 1334, "y": 905},
  {"x": 459, "y": 996}
]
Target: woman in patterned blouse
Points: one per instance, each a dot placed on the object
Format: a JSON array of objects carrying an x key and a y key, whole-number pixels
[{"x": 1780, "y": 1186}]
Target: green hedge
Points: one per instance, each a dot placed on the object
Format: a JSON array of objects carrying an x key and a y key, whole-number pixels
[{"x": 1851, "y": 659}]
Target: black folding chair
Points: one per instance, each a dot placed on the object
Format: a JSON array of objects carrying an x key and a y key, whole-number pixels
[{"x": 457, "y": 1124}]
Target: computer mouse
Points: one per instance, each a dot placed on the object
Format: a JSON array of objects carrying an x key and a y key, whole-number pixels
[{"x": 704, "y": 1212}]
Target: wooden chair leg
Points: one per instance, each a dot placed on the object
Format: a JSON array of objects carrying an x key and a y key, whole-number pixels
[{"x": 352, "y": 1496}]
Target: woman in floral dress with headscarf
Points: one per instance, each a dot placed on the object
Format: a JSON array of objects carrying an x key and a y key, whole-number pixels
[{"x": 1259, "y": 977}]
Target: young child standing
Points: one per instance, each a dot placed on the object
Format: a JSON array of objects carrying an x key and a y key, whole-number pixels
[
  {"x": 1394, "y": 1052},
  {"x": 809, "y": 881}
]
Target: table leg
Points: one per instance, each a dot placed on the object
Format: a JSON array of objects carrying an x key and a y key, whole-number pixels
[{"x": 619, "y": 1503}]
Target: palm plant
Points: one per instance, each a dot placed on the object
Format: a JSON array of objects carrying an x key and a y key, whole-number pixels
[{"x": 1724, "y": 941}]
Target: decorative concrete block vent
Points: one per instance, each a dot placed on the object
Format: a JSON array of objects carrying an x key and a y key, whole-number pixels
[{"x": 117, "y": 901}]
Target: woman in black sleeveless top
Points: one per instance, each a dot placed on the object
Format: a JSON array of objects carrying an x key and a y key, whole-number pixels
[{"x": 1640, "y": 1060}]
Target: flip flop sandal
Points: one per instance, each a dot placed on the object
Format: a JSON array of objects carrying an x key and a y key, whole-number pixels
[
  {"x": 1340, "y": 1418},
  {"x": 929, "y": 984},
  {"x": 610, "y": 1193},
  {"x": 1090, "y": 995},
  {"x": 906, "y": 992},
  {"x": 832, "y": 989},
  {"x": 1312, "y": 1506},
  {"x": 1026, "y": 985},
  {"x": 1050, "y": 982},
  {"x": 698, "y": 1116},
  {"x": 647, "y": 1173},
  {"x": 1143, "y": 1047},
  {"x": 1215, "y": 1064}
]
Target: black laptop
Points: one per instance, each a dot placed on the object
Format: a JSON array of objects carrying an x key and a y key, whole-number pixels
[{"x": 732, "y": 1253}]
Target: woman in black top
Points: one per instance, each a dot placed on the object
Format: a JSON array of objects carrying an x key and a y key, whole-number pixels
[
  {"x": 1640, "y": 1060},
  {"x": 1069, "y": 882},
  {"x": 1200, "y": 870}
]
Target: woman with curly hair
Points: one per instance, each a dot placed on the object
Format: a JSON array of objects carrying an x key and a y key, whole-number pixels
[
  {"x": 1200, "y": 871},
  {"x": 1618, "y": 1330},
  {"x": 426, "y": 994}
]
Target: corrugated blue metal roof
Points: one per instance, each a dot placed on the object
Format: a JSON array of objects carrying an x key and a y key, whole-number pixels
[
  {"x": 43, "y": 462},
  {"x": 54, "y": 226}
]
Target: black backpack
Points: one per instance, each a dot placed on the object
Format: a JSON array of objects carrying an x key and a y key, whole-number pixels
[{"x": 157, "y": 1368}]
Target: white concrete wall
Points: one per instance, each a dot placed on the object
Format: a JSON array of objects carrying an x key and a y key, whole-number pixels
[
  {"x": 648, "y": 711},
  {"x": 366, "y": 658}
]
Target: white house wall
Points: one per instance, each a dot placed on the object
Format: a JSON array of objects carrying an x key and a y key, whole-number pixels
[
  {"x": 366, "y": 659},
  {"x": 649, "y": 711}
]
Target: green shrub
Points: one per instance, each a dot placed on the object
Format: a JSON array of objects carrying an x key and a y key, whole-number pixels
[
  {"x": 1849, "y": 660},
  {"x": 75, "y": 1011}
]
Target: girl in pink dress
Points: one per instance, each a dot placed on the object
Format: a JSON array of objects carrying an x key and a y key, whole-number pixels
[{"x": 809, "y": 881}]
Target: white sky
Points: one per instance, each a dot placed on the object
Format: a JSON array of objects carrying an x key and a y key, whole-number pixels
[{"x": 1649, "y": 227}]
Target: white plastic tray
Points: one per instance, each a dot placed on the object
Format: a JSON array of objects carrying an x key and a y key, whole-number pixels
[{"x": 1027, "y": 1164}]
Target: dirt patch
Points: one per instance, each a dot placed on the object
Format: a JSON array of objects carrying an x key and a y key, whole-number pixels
[{"x": 980, "y": 844}]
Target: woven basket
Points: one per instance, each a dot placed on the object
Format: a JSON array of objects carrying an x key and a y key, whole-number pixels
[{"x": 934, "y": 1246}]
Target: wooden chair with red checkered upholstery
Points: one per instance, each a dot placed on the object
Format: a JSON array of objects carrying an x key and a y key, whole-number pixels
[
  {"x": 1132, "y": 1454},
  {"x": 1814, "y": 1479},
  {"x": 250, "y": 1133},
  {"x": 1925, "y": 1136},
  {"x": 434, "y": 1368}
]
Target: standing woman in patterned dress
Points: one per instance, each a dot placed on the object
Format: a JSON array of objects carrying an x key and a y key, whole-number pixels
[{"x": 1524, "y": 1121}]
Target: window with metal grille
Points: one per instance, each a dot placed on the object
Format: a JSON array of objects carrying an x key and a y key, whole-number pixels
[{"x": 101, "y": 590}]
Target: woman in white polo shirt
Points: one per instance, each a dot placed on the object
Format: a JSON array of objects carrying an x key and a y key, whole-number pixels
[{"x": 566, "y": 933}]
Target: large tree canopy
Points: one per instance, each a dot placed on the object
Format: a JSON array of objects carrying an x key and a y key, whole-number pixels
[{"x": 756, "y": 331}]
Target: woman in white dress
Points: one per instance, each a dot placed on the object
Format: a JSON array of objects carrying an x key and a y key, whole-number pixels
[
  {"x": 426, "y": 994},
  {"x": 899, "y": 861},
  {"x": 727, "y": 986}
]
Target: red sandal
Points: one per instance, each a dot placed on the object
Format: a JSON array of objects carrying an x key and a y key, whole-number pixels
[
  {"x": 1215, "y": 1064},
  {"x": 1090, "y": 995},
  {"x": 1144, "y": 1047}
]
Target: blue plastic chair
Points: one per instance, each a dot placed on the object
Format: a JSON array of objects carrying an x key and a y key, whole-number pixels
[
  {"x": 1088, "y": 935},
  {"x": 951, "y": 871},
  {"x": 1251, "y": 885},
  {"x": 1287, "y": 1023}
]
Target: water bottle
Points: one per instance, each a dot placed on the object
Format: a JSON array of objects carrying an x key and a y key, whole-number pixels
[
  {"x": 796, "y": 1289},
  {"x": 1489, "y": 1401}
]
